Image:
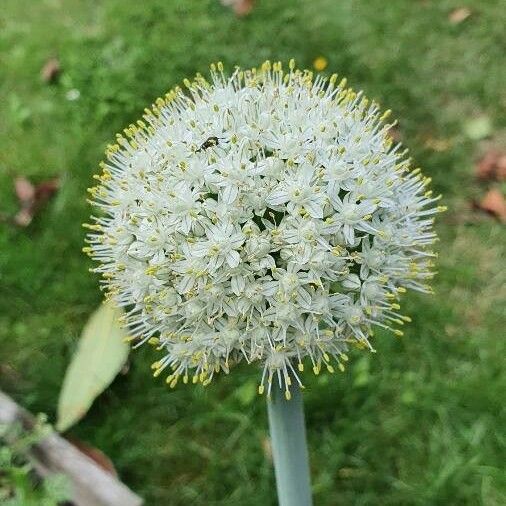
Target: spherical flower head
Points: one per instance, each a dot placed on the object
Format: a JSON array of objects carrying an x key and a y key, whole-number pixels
[{"x": 265, "y": 217}]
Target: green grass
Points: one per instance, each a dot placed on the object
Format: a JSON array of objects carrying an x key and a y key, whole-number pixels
[{"x": 422, "y": 421}]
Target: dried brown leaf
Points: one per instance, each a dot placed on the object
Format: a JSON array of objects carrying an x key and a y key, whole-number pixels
[
  {"x": 51, "y": 70},
  {"x": 458, "y": 15},
  {"x": 494, "y": 203},
  {"x": 500, "y": 170},
  {"x": 240, "y": 7},
  {"x": 98, "y": 456},
  {"x": 31, "y": 198},
  {"x": 492, "y": 165},
  {"x": 25, "y": 191},
  {"x": 23, "y": 218},
  {"x": 46, "y": 189}
]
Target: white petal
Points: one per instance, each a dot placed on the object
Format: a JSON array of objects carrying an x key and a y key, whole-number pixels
[
  {"x": 238, "y": 284},
  {"x": 314, "y": 209},
  {"x": 277, "y": 198},
  {"x": 233, "y": 259},
  {"x": 230, "y": 193}
]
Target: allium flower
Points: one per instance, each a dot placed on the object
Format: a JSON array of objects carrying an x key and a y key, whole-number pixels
[{"x": 265, "y": 217}]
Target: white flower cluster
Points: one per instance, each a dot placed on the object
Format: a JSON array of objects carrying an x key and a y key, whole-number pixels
[{"x": 264, "y": 217}]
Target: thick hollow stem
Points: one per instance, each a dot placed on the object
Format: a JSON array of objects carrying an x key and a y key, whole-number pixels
[{"x": 289, "y": 447}]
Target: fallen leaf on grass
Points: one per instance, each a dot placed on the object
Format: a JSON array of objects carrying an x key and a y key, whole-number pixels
[
  {"x": 458, "y": 15},
  {"x": 492, "y": 166},
  {"x": 240, "y": 7},
  {"x": 494, "y": 203},
  {"x": 51, "y": 70},
  {"x": 31, "y": 198},
  {"x": 25, "y": 191},
  {"x": 98, "y": 456}
]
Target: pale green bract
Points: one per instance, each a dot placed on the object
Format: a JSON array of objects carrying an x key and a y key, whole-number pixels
[{"x": 264, "y": 216}]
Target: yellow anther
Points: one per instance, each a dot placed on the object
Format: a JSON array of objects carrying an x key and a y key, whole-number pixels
[
  {"x": 151, "y": 270},
  {"x": 386, "y": 115}
]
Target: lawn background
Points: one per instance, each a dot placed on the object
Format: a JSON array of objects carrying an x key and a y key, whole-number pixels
[{"x": 421, "y": 422}]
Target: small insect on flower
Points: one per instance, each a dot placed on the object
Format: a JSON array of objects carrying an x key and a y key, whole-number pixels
[
  {"x": 264, "y": 216},
  {"x": 212, "y": 141}
]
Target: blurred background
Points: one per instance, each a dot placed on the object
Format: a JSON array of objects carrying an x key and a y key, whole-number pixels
[{"x": 421, "y": 422}]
